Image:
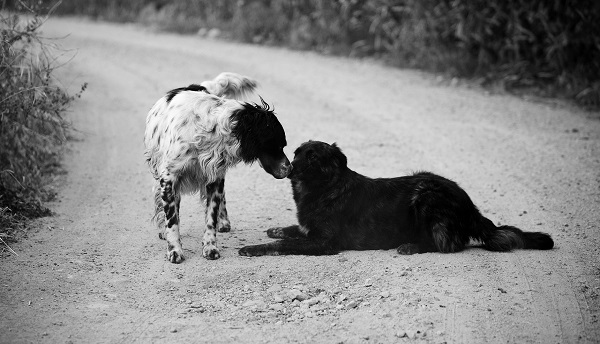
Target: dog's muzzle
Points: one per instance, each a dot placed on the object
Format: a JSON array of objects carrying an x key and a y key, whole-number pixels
[
  {"x": 278, "y": 169},
  {"x": 283, "y": 171}
]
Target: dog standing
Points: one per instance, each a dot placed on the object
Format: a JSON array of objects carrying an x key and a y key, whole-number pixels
[
  {"x": 193, "y": 135},
  {"x": 339, "y": 209}
]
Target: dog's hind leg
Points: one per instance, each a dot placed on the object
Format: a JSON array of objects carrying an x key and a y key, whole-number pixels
[
  {"x": 159, "y": 214},
  {"x": 223, "y": 224},
  {"x": 170, "y": 201},
  {"x": 433, "y": 238},
  {"x": 213, "y": 203}
]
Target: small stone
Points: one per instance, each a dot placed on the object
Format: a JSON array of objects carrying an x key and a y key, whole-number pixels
[
  {"x": 278, "y": 299},
  {"x": 404, "y": 273},
  {"x": 342, "y": 297},
  {"x": 295, "y": 294},
  {"x": 385, "y": 294},
  {"x": 368, "y": 282},
  {"x": 411, "y": 334},
  {"x": 173, "y": 330},
  {"x": 352, "y": 304},
  {"x": 312, "y": 301}
]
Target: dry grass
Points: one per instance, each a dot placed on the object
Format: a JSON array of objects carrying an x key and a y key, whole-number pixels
[{"x": 33, "y": 128}]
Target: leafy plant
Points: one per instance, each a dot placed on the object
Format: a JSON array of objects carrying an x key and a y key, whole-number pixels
[{"x": 33, "y": 128}]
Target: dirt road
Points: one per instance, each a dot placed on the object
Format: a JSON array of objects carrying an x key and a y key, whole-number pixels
[{"x": 97, "y": 272}]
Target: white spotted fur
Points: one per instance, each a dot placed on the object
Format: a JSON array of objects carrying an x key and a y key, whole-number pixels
[{"x": 189, "y": 137}]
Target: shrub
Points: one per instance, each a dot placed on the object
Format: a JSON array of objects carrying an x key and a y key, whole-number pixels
[{"x": 32, "y": 126}]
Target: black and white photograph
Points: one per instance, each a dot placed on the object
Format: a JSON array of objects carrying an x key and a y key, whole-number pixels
[{"x": 300, "y": 171}]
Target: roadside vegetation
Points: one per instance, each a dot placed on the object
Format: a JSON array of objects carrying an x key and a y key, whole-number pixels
[
  {"x": 543, "y": 47},
  {"x": 33, "y": 127}
]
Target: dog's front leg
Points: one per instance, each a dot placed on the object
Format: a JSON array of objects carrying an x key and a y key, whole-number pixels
[
  {"x": 213, "y": 203},
  {"x": 170, "y": 201},
  {"x": 293, "y": 246}
]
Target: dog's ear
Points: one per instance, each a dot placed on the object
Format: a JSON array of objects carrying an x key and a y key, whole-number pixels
[{"x": 338, "y": 155}]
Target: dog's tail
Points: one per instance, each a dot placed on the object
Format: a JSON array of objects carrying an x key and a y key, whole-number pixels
[
  {"x": 231, "y": 85},
  {"x": 506, "y": 238}
]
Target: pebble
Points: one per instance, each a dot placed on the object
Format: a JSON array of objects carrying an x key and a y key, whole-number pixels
[
  {"x": 368, "y": 282},
  {"x": 385, "y": 294},
  {"x": 352, "y": 304},
  {"x": 278, "y": 299},
  {"x": 296, "y": 294},
  {"x": 173, "y": 330},
  {"x": 408, "y": 334},
  {"x": 312, "y": 301}
]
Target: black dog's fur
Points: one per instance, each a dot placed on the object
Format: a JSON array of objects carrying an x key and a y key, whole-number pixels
[{"x": 339, "y": 209}]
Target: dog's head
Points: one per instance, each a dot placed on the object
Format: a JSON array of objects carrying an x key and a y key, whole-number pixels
[
  {"x": 317, "y": 162},
  {"x": 261, "y": 138}
]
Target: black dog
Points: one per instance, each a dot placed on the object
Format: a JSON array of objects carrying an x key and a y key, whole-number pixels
[{"x": 339, "y": 209}]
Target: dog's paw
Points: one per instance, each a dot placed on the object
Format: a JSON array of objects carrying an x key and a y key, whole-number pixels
[
  {"x": 408, "y": 249},
  {"x": 223, "y": 227},
  {"x": 276, "y": 233},
  {"x": 175, "y": 255},
  {"x": 210, "y": 252}
]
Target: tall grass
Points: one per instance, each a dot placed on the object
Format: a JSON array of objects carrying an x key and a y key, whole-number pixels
[{"x": 33, "y": 128}]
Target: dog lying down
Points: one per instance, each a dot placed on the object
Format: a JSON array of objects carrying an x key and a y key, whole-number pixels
[{"x": 339, "y": 209}]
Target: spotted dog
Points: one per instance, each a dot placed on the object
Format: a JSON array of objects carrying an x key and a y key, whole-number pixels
[
  {"x": 339, "y": 209},
  {"x": 193, "y": 135}
]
